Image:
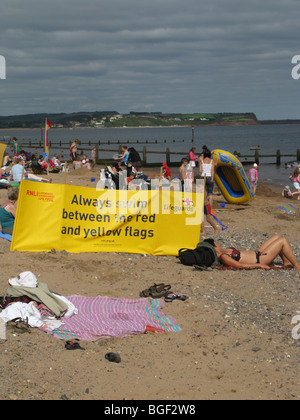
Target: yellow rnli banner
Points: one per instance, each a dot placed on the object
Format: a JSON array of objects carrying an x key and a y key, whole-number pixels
[
  {"x": 2, "y": 151},
  {"x": 80, "y": 219}
]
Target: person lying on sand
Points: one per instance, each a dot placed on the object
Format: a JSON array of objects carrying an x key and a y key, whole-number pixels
[{"x": 260, "y": 259}]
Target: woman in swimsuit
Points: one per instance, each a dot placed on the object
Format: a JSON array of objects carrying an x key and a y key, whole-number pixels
[{"x": 262, "y": 258}]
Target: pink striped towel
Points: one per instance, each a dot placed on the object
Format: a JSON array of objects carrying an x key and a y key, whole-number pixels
[{"x": 100, "y": 317}]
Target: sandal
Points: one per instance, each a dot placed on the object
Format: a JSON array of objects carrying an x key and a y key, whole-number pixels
[
  {"x": 172, "y": 296},
  {"x": 156, "y": 291}
]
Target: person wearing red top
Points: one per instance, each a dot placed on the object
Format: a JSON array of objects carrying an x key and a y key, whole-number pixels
[
  {"x": 193, "y": 159},
  {"x": 166, "y": 171}
]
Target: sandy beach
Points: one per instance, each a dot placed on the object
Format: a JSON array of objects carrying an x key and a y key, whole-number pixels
[{"x": 236, "y": 327}]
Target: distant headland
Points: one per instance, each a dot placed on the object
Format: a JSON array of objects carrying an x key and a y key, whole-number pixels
[{"x": 113, "y": 119}]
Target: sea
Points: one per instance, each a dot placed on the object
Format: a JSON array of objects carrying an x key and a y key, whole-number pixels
[{"x": 270, "y": 138}]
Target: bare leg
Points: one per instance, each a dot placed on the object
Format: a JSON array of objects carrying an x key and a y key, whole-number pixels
[
  {"x": 279, "y": 247},
  {"x": 296, "y": 194},
  {"x": 266, "y": 244},
  {"x": 211, "y": 200},
  {"x": 211, "y": 221},
  {"x": 203, "y": 229}
]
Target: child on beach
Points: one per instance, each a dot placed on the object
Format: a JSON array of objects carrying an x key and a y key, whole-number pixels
[
  {"x": 253, "y": 177},
  {"x": 77, "y": 164},
  {"x": 193, "y": 159},
  {"x": 93, "y": 156},
  {"x": 295, "y": 179},
  {"x": 182, "y": 172},
  {"x": 86, "y": 162},
  {"x": 166, "y": 173},
  {"x": 43, "y": 164}
]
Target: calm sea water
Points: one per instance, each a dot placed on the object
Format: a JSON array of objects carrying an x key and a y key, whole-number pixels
[{"x": 179, "y": 139}]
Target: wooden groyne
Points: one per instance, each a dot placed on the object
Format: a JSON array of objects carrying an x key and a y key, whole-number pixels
[{"x": 167, "y": 155}]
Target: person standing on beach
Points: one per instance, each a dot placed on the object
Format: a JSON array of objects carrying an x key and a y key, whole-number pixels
[
  {"x": 16, "y": 146},
  {"x": 93, "y": 156},
  {"x": 204, "y": 149},
  {"x": 74, "y": 150},
  {"x": 193, "y": 159},
  {"x": 253, "y": 177},
  {"x": 182, "y": 172},
  {"x": 207, "y": 171}
]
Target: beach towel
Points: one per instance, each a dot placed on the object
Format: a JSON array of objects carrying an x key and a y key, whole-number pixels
[
  {"x": 103, "y": 317},
  {"x": 272, "y": 267},
  {"x": 6, "y": 236}
]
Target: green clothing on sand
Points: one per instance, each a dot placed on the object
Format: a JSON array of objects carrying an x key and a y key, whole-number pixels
[
  {"x": 7, "y": 220},
  {"x": 41, "y": 294},
  {"x": 208, "y": 245}
]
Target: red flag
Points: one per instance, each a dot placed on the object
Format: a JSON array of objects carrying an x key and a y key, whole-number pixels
[{"x": 48, "y": 124}]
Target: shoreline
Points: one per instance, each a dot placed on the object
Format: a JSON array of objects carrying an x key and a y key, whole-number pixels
[{"x": 233, "y": 124}]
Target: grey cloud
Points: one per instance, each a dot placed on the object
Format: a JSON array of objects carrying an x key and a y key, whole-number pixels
[{"x": 173, "y": 56}]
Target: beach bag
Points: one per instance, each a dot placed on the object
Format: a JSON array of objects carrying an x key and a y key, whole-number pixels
[{"x": 201, "y": 256}]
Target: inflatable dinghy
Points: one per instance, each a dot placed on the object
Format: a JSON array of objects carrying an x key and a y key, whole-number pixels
[{"x": 231, "y": 178}]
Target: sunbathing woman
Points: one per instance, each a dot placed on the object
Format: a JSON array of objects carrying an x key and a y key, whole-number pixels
[{"x": 262, "y": 258}]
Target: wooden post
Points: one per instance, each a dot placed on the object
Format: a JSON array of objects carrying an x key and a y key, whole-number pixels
[
  {"x": 145, "y": 155},
  {"x": 257, "y": 157},
  {"x": 168, "y": 156},
  {"x": 65, "y": 174},
  {"x": 278, "y": 157}
]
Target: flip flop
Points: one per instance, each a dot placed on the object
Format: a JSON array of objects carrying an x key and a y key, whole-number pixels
[{"x": 172, "y": 296}]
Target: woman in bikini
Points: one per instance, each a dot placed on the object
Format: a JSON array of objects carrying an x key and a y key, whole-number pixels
[{"x": 262, "y": 258}]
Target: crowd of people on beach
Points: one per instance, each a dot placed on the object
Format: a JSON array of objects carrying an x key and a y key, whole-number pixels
[{"x": 128, "y": 161}]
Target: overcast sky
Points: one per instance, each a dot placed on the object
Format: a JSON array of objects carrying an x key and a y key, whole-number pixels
[{"x": 150, "y": 55}]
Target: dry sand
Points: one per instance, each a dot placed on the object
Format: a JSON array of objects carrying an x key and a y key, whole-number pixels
[{"x": 235, "y": 342}]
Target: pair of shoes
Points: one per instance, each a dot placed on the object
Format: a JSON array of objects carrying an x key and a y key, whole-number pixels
[{"x": 156, "y": 291}]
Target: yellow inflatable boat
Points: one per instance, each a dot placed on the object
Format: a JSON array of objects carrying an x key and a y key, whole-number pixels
[{"x": 231, "y": 178}]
